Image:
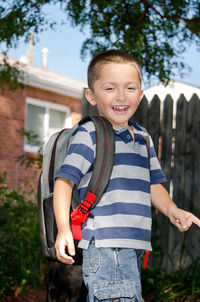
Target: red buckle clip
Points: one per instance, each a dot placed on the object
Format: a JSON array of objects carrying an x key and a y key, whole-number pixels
[{"x": 80, "y": 214}]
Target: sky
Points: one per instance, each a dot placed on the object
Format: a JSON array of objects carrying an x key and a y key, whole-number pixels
[{"x": 64, "y": 45}]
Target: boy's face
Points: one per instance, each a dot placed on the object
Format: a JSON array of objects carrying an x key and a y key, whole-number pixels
[{"x": 116, "y": 93}]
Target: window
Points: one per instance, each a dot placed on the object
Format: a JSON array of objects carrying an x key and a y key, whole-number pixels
[{"x": 44, "y": 119}]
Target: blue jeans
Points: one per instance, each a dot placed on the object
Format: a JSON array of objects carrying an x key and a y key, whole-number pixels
[{"x": 112, "y": 274}]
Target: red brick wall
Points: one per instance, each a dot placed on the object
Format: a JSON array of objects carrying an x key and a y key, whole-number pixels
[{"x": 12, "y": 119}]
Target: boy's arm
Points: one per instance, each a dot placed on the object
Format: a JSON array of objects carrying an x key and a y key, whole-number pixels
[
  {"x": 162, "y": 201},
  {"x": 62, "y": 201}
]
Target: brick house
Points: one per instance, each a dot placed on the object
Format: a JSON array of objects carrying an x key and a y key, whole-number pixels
[{"x": 48, "y": 102}]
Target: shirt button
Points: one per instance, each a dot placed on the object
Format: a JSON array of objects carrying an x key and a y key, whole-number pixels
[{"x": 128, "y": 136}]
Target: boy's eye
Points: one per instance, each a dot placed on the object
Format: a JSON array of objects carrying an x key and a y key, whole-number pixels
[
  {"x": 109, "y": 88},
  {"x": 131, "y": 88}
]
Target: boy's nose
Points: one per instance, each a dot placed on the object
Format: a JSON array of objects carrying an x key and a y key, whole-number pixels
[{"x": 120, "y": 95}]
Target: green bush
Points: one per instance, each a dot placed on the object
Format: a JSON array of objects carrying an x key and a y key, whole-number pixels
[
  {"x": 21, "y": 263},
  {"x": 179, "y": 286}
]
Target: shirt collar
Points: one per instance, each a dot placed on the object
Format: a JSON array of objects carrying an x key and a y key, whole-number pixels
[{"x": 124, "y": 133}]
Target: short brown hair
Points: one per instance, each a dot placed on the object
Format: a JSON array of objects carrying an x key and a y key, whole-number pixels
[{"x": 109, "y": 56}]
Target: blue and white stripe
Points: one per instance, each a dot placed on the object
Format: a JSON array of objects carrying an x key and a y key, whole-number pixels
[{"x": 122, "y": 218}]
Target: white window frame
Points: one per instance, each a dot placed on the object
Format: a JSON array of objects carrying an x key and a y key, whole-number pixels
[{"x": 47, "y": 106}]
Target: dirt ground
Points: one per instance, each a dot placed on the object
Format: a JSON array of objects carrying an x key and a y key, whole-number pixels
[
  {"x": 33, "y": 296},
  {"x": 29, "y": 296}
]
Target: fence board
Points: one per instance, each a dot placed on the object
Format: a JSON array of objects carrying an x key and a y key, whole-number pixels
[
  {"x": 154, "y": 121},
  {"x": 192, "y": 174},
  {"x": 161, "y": 228},
  {"x": 191, "y": 152},
  {"x": 178, "y": 178},
  {"x": 196, "y": 177},
  {"x": 167, "y": 131},
  {"x": 180, "y": 151}
]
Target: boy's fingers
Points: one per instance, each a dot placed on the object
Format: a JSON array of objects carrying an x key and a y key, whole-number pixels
[
  {"x": 195, "y": 220},
  {"x": 71, "y": 247},
  {"x": 64, "y": 253},
  {"x": 181, "y": 221},
  {"x": 183, "y": 224},
  {"x": 69, "y": 251},
  {"x": 63, "y": 257}
]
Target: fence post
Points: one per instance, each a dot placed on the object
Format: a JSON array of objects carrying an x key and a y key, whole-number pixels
[
  {"x": 166, "y": 131},
  {"x": 177, "y": 239},
  {"x": 180, "y": 151},
  {"x": 192, "y": 171},
  {"x": 154, "y": 121},
  {"x": 161, "y": 225}
]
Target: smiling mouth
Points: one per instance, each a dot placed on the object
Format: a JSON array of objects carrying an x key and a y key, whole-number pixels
[{"x": 120, "y": 108}]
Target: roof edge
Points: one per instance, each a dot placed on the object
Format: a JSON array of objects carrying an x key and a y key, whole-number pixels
[{"x": 38, "y": 82}]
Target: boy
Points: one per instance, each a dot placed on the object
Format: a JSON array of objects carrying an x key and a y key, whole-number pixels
[{"x": 118, "y": 229}]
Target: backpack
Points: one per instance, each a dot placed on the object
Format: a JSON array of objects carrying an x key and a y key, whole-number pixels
[{"x": 53, "y": 157}]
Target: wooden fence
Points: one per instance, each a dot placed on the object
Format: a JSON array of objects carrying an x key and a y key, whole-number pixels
[{"x": 176, "y": 137}]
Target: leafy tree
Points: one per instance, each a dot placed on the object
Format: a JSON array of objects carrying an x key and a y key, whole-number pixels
[
  {"x": 156, "y": 32},
  {"x": 18, "y": 19},
  {"x": 10, "y": 75}
]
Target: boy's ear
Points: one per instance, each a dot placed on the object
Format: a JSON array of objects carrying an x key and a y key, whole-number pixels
[
  {"x": 141, "y": 94},
  {"x": 90, "y": 97}
]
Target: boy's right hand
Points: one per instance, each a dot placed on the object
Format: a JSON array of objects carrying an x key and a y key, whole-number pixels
[{"x": 65, "y": 242}]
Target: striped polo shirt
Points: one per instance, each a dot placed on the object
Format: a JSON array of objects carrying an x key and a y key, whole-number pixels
[{"x": 122, "y": 218}]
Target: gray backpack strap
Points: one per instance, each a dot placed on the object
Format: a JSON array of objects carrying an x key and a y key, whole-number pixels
[{"x": 104, "y": 161}]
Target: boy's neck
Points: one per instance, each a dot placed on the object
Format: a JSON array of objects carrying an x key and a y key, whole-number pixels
[{"x": 130, "y": 129}]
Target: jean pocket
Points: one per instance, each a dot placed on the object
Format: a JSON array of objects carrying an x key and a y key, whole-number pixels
[
  {"x": 91, "y": 259},
  {"x": 114, "y": 289}
]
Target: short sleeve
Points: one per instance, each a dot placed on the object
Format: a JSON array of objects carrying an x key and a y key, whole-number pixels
[
  {"x": 80, "y": 155},
  {"x": 156, "y": 173}
]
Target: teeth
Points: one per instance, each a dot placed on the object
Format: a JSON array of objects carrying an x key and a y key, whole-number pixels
[{"x": 120, "y": 107}]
